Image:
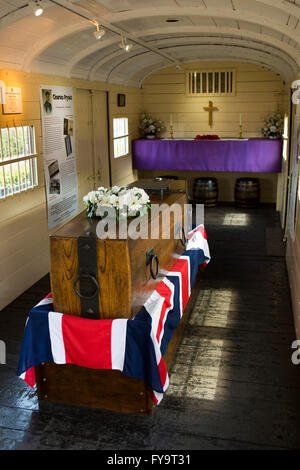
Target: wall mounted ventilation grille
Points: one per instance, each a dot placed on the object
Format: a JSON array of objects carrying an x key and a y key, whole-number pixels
[{"x": 211, "y": 83}]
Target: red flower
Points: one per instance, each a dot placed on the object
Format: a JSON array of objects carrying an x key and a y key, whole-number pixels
[{"x": 207, "y": 137}]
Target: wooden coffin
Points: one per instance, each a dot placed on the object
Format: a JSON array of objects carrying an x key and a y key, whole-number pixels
[
  {"x": 116, "y": 276},
  {"x": 125, "y": 282}
]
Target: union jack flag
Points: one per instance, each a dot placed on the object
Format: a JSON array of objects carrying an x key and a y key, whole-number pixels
[{"x": 133, "y": 346}]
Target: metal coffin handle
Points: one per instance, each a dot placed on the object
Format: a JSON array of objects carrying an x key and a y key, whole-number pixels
[
  {"x": 151, "y": 259},
  {"x": 90, "y": 278}
]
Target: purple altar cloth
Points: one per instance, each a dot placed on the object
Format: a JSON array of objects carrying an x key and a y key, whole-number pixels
[{"x": 253, "y": 155}]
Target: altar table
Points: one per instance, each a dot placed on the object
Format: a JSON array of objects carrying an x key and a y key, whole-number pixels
[{"x": 229, "y": 155}]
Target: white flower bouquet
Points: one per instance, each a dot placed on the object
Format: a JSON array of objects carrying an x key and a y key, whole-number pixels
[
  {"x": 150, "y": 126},
  {"x": 273, "y": 127},
  {"x": 118, "y": 200}
]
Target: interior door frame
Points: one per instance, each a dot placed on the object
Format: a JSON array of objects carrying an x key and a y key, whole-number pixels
[
  {"x": 287, "y": 232},
  {"x": 95, "y": 156},
  {"x": 108, "y": 138},
  {"x": 289, "y": 166}
]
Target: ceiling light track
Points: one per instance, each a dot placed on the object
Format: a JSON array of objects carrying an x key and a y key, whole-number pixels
[{"x": 77, "y": 10}]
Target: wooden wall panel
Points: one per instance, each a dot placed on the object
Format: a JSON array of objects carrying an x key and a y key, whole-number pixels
[
  {"x": 24, "y": 252},
  {"x": 258, "y": 93}
]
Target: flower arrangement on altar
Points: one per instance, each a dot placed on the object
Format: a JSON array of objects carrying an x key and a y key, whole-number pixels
[
  {"x": 118, "y": 201},
  {"x": 149, "y": 126},
  {"x": 273, "y": 127},
  {"x": 207, "y": 137}
]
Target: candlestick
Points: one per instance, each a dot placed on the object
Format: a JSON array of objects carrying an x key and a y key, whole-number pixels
[
  {"x": 171, "y": 132},
  {"x": 241, "y": 131}
]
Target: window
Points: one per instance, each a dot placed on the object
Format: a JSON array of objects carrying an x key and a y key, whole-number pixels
[
  {"x": 18, "y": 169},
  {"x": 210, "y": 82},
  {"x": 285, "y": 137},
  {"x": 120, "y": 137}
]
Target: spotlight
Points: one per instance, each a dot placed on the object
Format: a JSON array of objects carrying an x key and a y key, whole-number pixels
[
  {"x": 126, "y": 47},
  {"x": 37, "y": 9},
  {"x": 99, "y": 33}
]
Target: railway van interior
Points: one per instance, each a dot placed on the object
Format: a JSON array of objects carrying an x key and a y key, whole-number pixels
[{"x": 148, "y": 344}]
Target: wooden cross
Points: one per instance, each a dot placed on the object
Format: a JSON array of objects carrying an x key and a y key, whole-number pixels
[{"x": 210, "y": 109}]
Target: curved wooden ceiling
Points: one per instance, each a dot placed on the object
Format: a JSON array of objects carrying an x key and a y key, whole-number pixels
[{"x": 61, "y": 41}]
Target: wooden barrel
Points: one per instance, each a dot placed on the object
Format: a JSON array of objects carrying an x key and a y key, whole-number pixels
[
  {"x": 206, "y": 191},
  {"x": 247, "y": 192}
]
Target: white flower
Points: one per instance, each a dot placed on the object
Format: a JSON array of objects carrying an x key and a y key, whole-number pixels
[
  {"x": 123, "y": 200},
  {"x": 134, "y": 206},
  {"x": 102, "y": 189},
  {"x": 150, "y": 125},
  {"x": 114, "y": 200},
  {"x": 143, "y": 196},
  {"x": 91, "y": 197},
  {"x": 105, "y": 200},
  {"x": 140, "y": 194},
  {"x": 115, "y": 189},
  {"x": 130, "y": 198},
  {"x": 117, "y": 198}
]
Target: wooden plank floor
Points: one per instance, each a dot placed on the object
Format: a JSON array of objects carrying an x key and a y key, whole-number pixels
[{"x": 232, "y": 385}]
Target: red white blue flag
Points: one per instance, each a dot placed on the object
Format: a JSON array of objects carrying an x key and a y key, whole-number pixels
[{"x": 135, "y": 347}]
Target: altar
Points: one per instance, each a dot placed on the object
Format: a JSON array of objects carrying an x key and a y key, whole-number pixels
[
  {"x": 225, "y": 155},
  {"x": 226, "y": 159}
]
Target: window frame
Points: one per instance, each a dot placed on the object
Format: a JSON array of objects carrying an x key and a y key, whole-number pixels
[
  {"x": 119, "y": 137},
  {"x": 18, "y": 164}
]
